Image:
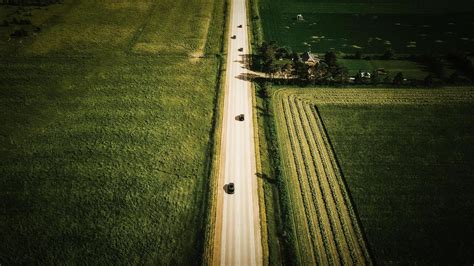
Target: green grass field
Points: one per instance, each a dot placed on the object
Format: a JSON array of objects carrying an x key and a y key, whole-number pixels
[
  {"x": 407, "y": 27},
  {"x": 409, "y": 171},
  {"x": 104, "y": 146},
  {"x": 406, "y": 162},
  {"x": 409, "y": 69}
]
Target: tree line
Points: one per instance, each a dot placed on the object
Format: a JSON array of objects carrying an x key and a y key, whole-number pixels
[{"x": 285, "y": 66}]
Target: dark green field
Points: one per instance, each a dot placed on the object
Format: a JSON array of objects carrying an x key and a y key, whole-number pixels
[
  {"x": 105, "y": 134},
  {"x": 407, "y": 27},
  {"x": 409, "y": 172},
  {"x": 411, "y": 70}
]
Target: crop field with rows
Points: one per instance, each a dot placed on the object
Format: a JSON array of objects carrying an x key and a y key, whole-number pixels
[
  {"x": 377, "y": 175},
  {"x": 106, "y": 133}
]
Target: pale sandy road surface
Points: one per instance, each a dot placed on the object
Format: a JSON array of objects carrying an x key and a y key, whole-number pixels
[{"x": 238, "y": 240}]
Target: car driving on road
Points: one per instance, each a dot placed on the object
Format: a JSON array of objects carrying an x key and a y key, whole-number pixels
[
  {"x": 231, "y": 188},
  {"x": 241, "y": 49},
  {"x": 240, "y": 117}
]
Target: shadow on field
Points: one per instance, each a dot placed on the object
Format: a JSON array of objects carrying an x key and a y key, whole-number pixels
[
  {"x": 247, "y": 76},
  {"x": 245, "y": 60},
  {"x": 266, "y": 178}
]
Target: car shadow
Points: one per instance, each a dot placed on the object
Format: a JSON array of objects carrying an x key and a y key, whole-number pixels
[{"x": 225, "y": 188}]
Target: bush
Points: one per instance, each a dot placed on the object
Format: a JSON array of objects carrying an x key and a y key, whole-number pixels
[{"x": 398, "y": 79}]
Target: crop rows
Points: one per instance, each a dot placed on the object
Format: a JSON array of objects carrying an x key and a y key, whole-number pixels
[
  {"x": 384, "y": 96},
  {"x": 325, "y": 225},
  {"x": 326, "y": 228}
]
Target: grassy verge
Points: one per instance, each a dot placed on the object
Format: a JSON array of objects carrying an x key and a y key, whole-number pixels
[
  {"x": 216, "y": 144},
  {"x": 264, "y": 228},
  {"x": 269, "y": 175},
  {"x": 272, "y": 226}
]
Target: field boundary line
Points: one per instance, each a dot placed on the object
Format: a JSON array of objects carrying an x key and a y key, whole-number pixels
[
  {"x": 342, "y": 204},
  {"x": 308, "y": 159},
  {"x": 293, "y": 206},
  {"x": 216, "y": 169}
]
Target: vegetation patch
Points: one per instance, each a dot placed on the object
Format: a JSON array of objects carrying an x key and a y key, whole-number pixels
[
  {"x": 409, "y": 171},
  {"x": 104, "y": 153},
  {"x": 368, "y": 26},
  {"x": 403, "y": 156}
]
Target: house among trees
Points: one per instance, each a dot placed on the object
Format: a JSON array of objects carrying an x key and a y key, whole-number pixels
[
  {"x": 310, "y": 59},
  {"x": 299, "y": 17}
]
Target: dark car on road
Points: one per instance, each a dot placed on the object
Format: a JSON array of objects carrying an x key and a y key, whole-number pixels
[
  {"x": 240, "y": 117},
  {"x": 231, "y": 188},
  {"x": 240, "y": 26},
  {"x": 233, "y": 37},
  {"x": 241, "y": 49}
]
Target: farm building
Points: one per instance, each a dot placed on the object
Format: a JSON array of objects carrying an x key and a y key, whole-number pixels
[
  {"x": 299, "y": 17},
  {"x": 310, "y": 59}
]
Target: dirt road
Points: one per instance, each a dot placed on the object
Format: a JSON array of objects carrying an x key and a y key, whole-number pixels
[{"x": 238, "y": 239}]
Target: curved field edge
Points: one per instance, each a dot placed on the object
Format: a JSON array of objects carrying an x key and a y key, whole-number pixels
[
  {"x": 356, "y": 96},
  {"x": 315, "y": 173},
  {"x": 409, "y": 171}
]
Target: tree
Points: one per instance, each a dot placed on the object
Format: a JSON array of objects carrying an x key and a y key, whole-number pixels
[
  {"x": 269, "y": 66},
  {"x": 389, "y": 53},
  {"x": 454, "y": 78},
  {"x": 301, "y": 70},
  {"x": 331, "y": 59},
  {"x": 358, "y": 78},
  {"x": 295, "y": 56},
  {"x": 429, "y": 80},
  {"x": 358, "y": 55},
  {"x": 341, "y": 75},
  {"x": 375, "y": 78},
  {"x": 282, "y": 53},
  {"x": 398, "y": 79}
]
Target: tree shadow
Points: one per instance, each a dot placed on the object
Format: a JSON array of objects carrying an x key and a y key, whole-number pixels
[{"x": 247, "y": 76}]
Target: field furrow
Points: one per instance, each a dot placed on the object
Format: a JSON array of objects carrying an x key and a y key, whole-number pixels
[
  {"x": 297, "y": 197},
  {"x": 326, "y": 224},
  {"x": 321, "y": 176},
  {"x": 327, "y": 251},
  {"x": 342, "y": 203}
]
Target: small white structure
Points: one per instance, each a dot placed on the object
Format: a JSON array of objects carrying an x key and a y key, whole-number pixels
[
  {"x": 365, "y": 75},
  {"x": 299, "y": 17}
]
